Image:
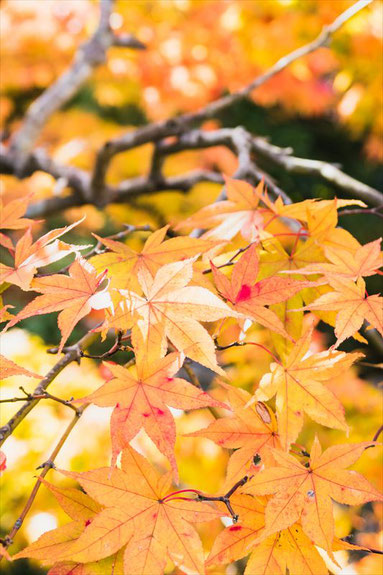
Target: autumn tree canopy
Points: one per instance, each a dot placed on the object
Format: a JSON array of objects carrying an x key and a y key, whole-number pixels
[{"x": 190, "y": 260}]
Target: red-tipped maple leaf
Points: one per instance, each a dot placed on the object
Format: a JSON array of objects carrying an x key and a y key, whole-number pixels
[
  {"x": 306, "y": 493},
  {"x": 74, "y": 296},
  {"x": 141, "y": 396},
  {"x": 139, "y": 511},
  {"x": 250, "y": 297}
]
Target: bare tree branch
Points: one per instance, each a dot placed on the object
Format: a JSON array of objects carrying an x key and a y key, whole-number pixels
[
  {"x": 175, "y": 126},
  {"x": 237, "y": 139},
  {"x": 19, "y": 159},
  {"x": 91, "y": 54}
]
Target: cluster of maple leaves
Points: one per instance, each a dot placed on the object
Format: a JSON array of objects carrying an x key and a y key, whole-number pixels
[{"x": 257, "y": 262}]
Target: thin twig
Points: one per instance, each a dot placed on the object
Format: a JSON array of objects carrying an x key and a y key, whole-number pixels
[
  {"x": 47, "y": 465},
  {"x": 376, "y": 211},
  {"x": 230, "y": 262},
  {"x": 242, "y": 344},
  {"x": 349, "y": 538},
  {"x": 72, "y": 353},
  {"x": 44, "y": 395},
  {"x": 226, "y": 498},
  {"x": 375, "y": 438}
]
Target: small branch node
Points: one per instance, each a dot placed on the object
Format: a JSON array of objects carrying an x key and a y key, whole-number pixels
[{"x": 47, "y": 464}]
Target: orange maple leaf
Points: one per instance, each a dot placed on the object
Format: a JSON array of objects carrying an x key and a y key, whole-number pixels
[
  {"x": 170, "y": 309},
  {"x": 250, "y": 297},
  {"x": 289, "y": 548},
  {"x": 124, "y": 263},
  {"x": 81, "y": 509},
  {"x": 10, "y": 218},
  {"x": 141, "y": 512},
  {"x": 321, "y": 214},
  {"x": 250, "y": 432},
  {"x": 306, "y": 493},
  {"x": 353, "y": 306},
  {"x": 141, "y": 396},
  {"x": 76, "y": 295},
  {"x": 29, "y": 256},
  {"x": 9, "y": 368},
  {"x": 298, "y": 384},
  {"x": 366, "y": 261},
  {"x": 240, "y": 213}
]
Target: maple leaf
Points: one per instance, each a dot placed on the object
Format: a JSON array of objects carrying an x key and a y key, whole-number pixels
[
  {"x": 306, "y": 492},
  {"x": 321, "y": 212},
  {"x": 140, "y": 512},
  {"x": 171, "y": 309},
  {"x": 289, "y": 548},
  {"x": 10, "y": 218},
  {"x": 250, "y": 432},
  {"x": 321, "y": 218},
  {"x": 298, "y": 384},
  {"x": 141, "y": 396},
  {"x": 124, "y": 263},
  {"x": 74, "y": 296},
  {"x": 366, "y": 261},
  {"x": 29, "y": 256},
  {"x": 9, "y": 368},
  {"x": 240, "y": 213},
  {"x": 353, "y": 305},
  {"x": 113, "y": 565},
  {"x": 250, "y": 297},
  {"x": 80, "y": 508},
  {"x": 275, "y": 258}
]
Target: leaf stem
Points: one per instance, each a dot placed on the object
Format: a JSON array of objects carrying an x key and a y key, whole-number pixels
[
  {"x": 375, "y": 438},
  {"x": 231, "y": 261},
  {"x": 243, "y": 343},
  {"x": 226, "y": 498}
]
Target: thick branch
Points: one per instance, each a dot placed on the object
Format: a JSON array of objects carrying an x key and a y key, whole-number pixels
[
  {"x": 331, "y": 174},
  {"x": 72, "y": 354},
  {"x": 238, "y": 139},
  {"x": 93, "y": 189},
  {"x": 127, "y": 189},
  {"x": 91, "y": 54},
  {"x": 175, "y": 126}
]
